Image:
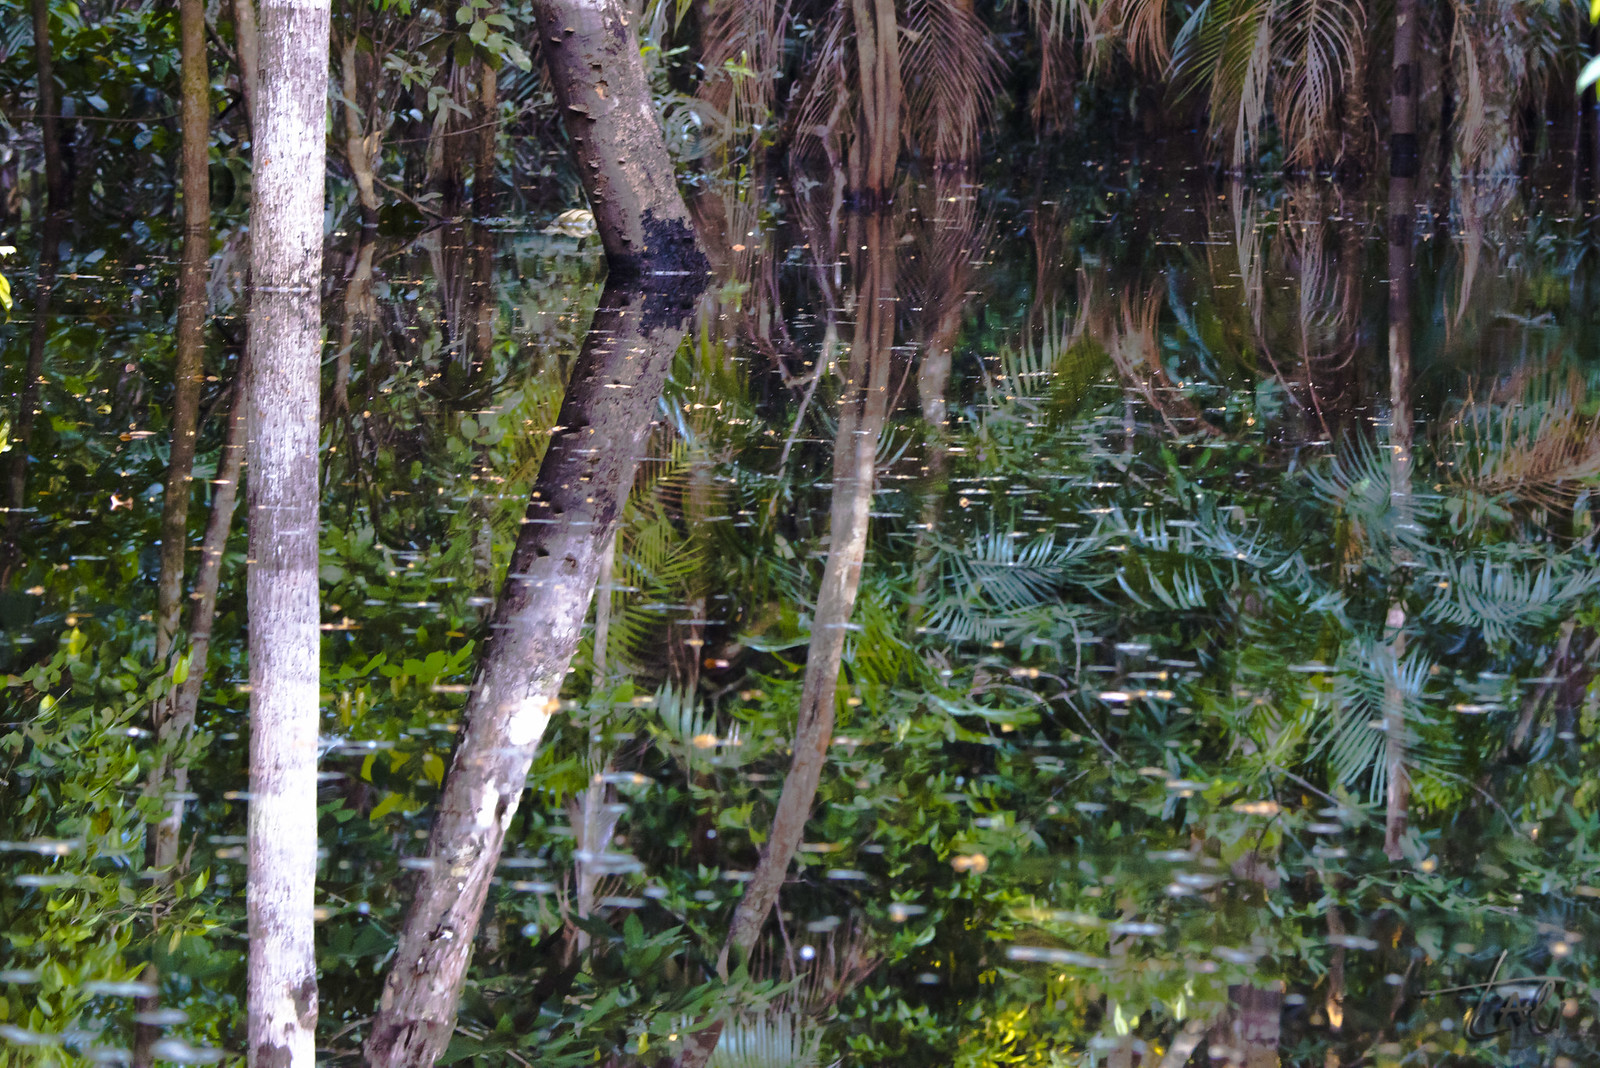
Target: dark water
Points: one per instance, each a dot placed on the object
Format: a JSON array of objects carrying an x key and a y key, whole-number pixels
[{"x": 1154, "y": 580}]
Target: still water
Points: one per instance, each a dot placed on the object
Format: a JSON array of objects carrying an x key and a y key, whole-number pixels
[{"x": 1216, "y": 623}]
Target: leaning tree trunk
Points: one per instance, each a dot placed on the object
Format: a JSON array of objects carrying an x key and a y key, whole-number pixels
[
  {"x": 572, "y": 519},
  {"x": 861, "y": 419},
  {"x": 592, "y": 50},
  {"x": 282, "y": 393}
]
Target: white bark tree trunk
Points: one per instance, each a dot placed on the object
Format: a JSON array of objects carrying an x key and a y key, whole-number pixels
[{"x": 281, "y": 462}]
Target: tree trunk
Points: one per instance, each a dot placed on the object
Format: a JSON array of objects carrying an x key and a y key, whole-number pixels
[
  {"x": 55, "y": 174},
  {"x": 248, "y": 43},
  {"x": 282, "y": 390},
  {"x": 361, "y": 149},
  {"x": 189, "y": 367},
  {"x": 863, "y": 409},
  {"x": 186, "y": 702},
  {"x": 572, "y": 518},
  {"x": 45, "y": 280},
  {"x": 1403, "y": 147},
  {"x": 592, "y": 50}
]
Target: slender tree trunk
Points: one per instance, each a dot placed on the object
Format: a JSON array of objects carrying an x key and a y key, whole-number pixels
[
  {"x": 361, "y": 149},
  {"x": 1401, "y": 224},
  {"x": 861, "y": 418},
  {"x": 572, "y": 518},
  {"x": 248, "y": 43},
  {"x": 486, "y": 169},
  {"x": 189, "y": 368},
  {"x": 875, "y": 156},
  {"x": 592, "y": 50},
  {"x": 1403, "y": 148},
  {"x": 186, "y": 702},
  {"x": 55, "y": 174},
  {"x": 50, "y": 231},
  {"x": 282, "y": 391}
]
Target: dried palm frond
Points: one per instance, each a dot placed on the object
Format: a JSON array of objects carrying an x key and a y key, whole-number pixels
[
  {"x": 1538, "y": 447},
  {"x": 1320, "y": 40},
  {"x": 821, "y": 119},
  {"x": 951, "y": 70}
]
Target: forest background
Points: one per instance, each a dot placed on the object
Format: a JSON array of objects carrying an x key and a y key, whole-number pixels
[{"x": 1004, "y": 866}]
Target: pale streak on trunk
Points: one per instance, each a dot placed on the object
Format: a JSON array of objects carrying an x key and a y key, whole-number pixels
[
  {"x": 247, "y": 43},
  {"x": 282, "y": 398},
  {"x": 188, "y": 372},
  {"x": 360, "y": 147},
  {"x": 213, "y": 548},
  {"x": 1401, "y": 223},
  {"x": 863, "y": 409},
  {"x": 591, "y": 48},
  {"x": 572, "y": 516}
]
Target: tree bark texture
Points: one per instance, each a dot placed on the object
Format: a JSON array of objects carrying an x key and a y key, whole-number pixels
[
  {"x": 591, "y": 48},
  {"x": 282, "y": 393},
  {"x": 188, "y": 373},
  {"x": 572, "y": 519},
  {"x": 863, "y": 409}
]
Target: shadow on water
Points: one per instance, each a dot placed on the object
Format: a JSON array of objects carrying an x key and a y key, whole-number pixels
[{"x": 1134, "y": 617}]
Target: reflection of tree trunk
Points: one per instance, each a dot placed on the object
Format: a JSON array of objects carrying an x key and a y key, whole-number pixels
[
  {"x": 591, "y": 48},
  {"x": 1248, "y": 1034},
  {"x": 863, "y": 409},
  {"x": 282, "y": 399},
  {"x": 576, "y": 505},
  {"x": 189, "y": 368},
  {"x": 1402, "y": 217},
  {"x": 360, "y": 307}
]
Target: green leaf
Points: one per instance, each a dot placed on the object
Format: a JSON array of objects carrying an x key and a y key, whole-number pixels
[{"x": 1590, "y": 74}]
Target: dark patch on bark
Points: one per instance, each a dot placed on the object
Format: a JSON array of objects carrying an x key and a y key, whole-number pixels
[
  {"x": 1403, "y": 155},
  {"x": 305, "y": 1002},
  {"x": 272, "y": 1056}
]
